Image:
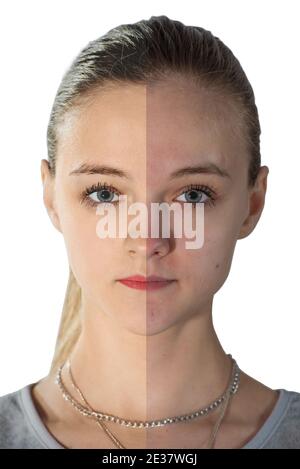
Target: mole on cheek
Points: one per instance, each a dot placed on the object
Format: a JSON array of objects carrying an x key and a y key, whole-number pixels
[{"x": 217, "y": 266}]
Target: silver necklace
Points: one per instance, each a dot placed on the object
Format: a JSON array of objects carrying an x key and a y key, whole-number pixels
[
  {"x": 231, "y": 389},
  {"x": 118, "y": 444}
]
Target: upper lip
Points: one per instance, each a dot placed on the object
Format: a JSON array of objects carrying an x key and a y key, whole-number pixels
[{"x": 150, "y": 278}]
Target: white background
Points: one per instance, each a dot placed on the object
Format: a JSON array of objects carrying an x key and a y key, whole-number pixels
[{"x": 256, "y": 313}]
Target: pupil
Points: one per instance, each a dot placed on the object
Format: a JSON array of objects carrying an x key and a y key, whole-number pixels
[
  {"x": 106, "y": 192},
  {"x": 195, "y": 195}
]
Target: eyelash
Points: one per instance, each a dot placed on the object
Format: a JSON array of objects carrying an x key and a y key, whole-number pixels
[{"x": 208, "y": 191}]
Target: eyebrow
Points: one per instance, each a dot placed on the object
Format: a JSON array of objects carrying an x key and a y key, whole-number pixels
[
  {"x": 86, "y": 168},
  {"x": 210, "y": 168}
]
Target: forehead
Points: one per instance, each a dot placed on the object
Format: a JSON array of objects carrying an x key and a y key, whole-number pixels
[{"x": 152, "y": 127}]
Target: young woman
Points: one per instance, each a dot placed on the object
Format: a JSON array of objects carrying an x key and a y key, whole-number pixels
[{"x": 159, "y": 112}]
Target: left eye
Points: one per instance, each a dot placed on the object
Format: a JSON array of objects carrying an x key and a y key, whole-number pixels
[
  {"x": 195, "y": 197},
  {"x": 104, "y": 195}
]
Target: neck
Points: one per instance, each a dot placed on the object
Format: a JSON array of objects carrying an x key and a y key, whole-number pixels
[{"x": 149, "y": 377}]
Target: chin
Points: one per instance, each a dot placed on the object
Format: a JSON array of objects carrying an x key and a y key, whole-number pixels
[{"x": 150, "y": 323}]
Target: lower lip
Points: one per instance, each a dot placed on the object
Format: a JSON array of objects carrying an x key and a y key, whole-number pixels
[{"x": 146, "y": 285}]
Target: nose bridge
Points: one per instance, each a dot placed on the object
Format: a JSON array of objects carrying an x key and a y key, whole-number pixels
[{"x": 147, "y": 246}]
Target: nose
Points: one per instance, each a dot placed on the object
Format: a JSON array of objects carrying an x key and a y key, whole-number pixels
[{"x": 148, "y": 247}]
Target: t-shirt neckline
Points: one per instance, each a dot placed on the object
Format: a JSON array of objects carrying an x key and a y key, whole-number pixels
[{"x": 49, "y": 441}]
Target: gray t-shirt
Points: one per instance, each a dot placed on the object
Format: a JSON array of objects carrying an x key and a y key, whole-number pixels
[{"x": 22, "y": 427}]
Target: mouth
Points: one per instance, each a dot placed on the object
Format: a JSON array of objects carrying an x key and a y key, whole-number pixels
[{"x": 151, "y": 282}]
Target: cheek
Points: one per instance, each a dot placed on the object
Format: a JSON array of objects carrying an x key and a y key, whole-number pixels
[
  {"x": 89, "y": 256},
  {"x": 220, "y": 236},
  {"x": 206, "y": 269}
]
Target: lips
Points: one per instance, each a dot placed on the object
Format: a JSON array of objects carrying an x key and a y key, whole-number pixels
[
  {"x": 140, "y": 282},
  {"x": 150, "y": 278}
]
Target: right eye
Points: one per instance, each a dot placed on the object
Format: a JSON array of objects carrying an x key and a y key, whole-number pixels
[{"x": 99, "y": 194}]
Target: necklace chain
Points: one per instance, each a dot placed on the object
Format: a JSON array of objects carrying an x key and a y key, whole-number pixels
[
  {"x": 89, "y": 412},
  {"x": 100, "y": 423},
  {"x": 118, "y": 444}
]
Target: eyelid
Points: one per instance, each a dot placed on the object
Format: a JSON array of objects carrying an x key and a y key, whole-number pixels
[{"x": 200, "y": 187}]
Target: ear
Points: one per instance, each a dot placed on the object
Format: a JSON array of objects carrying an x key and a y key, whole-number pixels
[
  {"x": 48, "y": 193},
  {"x": 257, "y": 196}
]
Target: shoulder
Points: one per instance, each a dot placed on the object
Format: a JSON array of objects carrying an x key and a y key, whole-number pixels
[
  {"x": 292, "y": 417},
  {"x": 15, "y": 428},
  {"x": 285, "y": 431}
]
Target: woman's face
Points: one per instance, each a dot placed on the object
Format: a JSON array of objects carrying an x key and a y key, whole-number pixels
[{"x": 148, "y": 133}]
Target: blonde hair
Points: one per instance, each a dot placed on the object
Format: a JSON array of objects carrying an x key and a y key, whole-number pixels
[
  {"x": 70, "y": 325},
  {"x": 147, "y": 52}
]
